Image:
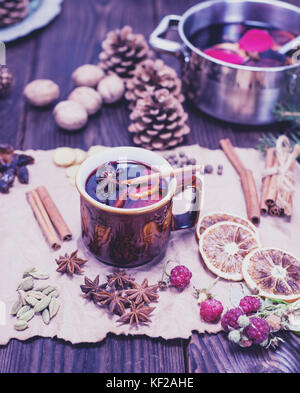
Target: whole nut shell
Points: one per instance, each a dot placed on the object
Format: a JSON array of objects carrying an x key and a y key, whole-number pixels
[
  {"x": 70, "y": 115},
  {"x": 87, "y": 75},
  {"x": 41, "y": 92},
  {"x": 111, "y": 88},
  {"x": 89, "y": 98}
]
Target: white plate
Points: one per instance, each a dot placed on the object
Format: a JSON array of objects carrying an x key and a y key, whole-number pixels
[{"x": 41, "y": 13}]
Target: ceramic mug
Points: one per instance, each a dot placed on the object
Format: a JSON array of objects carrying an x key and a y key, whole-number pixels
[{"x": 132, "y": 237}]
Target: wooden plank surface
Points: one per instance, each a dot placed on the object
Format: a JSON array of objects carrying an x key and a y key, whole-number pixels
[{"x": 54, "y": 52}]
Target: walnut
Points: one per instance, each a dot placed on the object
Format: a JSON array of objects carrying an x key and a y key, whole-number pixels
[
  {"x": 41, "y": 92},
  {"x": 70, "y": 115},
  {"x": 111, "y": 88},
  {"x": 87, "y": 75},
  {"x": 89, "y": 98}
]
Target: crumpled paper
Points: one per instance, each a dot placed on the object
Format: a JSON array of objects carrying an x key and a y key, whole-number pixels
[{"x": 22, "y": 246}]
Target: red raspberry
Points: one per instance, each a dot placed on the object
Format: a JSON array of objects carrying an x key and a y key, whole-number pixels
[
  {"x": 258, "y": 331},
  {"x": 229, "y": 319},
  {"x": 250, "y": 304},
  {"x": 180, "y": 276},
  {"x": 211, "y": 310}
]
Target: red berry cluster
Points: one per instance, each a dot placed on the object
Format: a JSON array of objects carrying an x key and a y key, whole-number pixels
[{"x": 242, "y": 327}]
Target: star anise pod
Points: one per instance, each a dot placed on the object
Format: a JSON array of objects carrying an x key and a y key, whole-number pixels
[
  {"x": 142, "y": 293},
  {"x": 90, "y": 287},
  {"x": 114, "y": 300},
  {"x": 138, "y": 314},
  {"x": 70, "y": 263},
  {"x": 120, "y": 280}
]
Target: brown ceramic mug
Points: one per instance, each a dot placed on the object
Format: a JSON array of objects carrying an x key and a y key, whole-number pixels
[{"x": 132, "y": 237}]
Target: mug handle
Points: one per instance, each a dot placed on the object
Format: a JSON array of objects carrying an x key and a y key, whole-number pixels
[{"x": 190, "y": 218}]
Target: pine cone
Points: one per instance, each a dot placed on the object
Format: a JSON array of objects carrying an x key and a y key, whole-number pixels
[
  {"x": 158, "y": 121},
  {"x": 12, "y": 11},
  {"x": 152, "y": 75},
  {"x": 122, "y": 51},
  {"x": 6, "y": 79}
]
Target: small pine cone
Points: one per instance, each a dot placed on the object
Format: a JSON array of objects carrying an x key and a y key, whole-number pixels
[
  {"x": 122, "y": 51},
  {"x": 158, "y": 121},
  {"x": 152, "y": 75},
  {"x": 12, "y": 11},
  {"x": 6, "y": 79}
]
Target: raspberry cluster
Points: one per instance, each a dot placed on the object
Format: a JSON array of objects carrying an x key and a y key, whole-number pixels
[{"x": 242, "y": 327}]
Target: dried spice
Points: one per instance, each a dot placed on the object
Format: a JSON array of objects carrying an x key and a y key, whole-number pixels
[
  {"x": 120, "y": 280},
  {"x": 34, "y": 301},
  {"x": 138, "y": 314},
  {"x": 117, "y": 299},
  {"x": 114, "y": 300},
  {"x": 91, "y": 287},
  {"x": 12, "y": 165},
  {"x": 142, "y": 293},
  {"x": 70, "y": 263}
]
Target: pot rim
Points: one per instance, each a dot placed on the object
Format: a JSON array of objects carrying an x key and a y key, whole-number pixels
[{"x": 206, "y": 4}]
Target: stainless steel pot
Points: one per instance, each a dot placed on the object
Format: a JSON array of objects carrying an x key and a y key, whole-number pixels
[{"x": 239, "y": 94}]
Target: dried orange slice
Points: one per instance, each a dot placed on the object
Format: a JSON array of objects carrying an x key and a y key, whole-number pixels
[
  {"x": 274, "y": 273},
  {"x": 224, "y": 246},
  {"x": 215, "y": 217}
]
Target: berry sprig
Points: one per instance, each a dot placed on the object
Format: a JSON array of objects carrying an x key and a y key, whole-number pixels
[
  {"x": 179, "y": 277},
  {"x": 256, "y": 320},
  {"x": 211, "y": 309}
]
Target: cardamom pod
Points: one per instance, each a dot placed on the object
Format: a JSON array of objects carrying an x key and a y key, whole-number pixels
[
  {"x": 54, "y": 293},
  {"x": 23, "y": 310},
  {"x": 22, "y": 295},
  {"x": 46, "y": 316},
  {"x": 42, "y": 304},
  {"x": 21, "y": 325},
  {"x": 27, "y": 316},
  {"x": 53, "y": 307},
  {"x": 36, "y": 294},
  {"x": 16, "y": 307},
  {"x": 28, "y": 272},
  {"x": 31, "y": 300},
  {"x": 39, "y": 276},
  {"x": 26, "y": 284},
  {"x": 48, "y": 290}
]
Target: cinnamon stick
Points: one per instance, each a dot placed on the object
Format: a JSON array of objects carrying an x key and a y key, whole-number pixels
[
  {"x": 270, "y": 158},
  {"x": 54, "y": 214},
  {"x": 43, "y": 219},
  {"x": 247, "y": 181},
  {"x": 232, "y": 156},
  {"x": 161, "y": 175},
  {"x": 272, "y": 190},
  {"x": 284, "y": 199}
]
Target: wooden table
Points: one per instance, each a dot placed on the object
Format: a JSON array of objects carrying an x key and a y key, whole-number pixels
[{"x": 71, "y": 40}]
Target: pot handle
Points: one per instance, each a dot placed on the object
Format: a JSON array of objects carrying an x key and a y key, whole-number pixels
[{"x": 157, "y": 42}]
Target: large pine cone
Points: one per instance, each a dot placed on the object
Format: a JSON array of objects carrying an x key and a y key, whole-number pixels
[
  {"x": 6, "y": 79},
  {"x": 158, "y": 121},
  {"x": 12, "y": 11},
  {"x": 152, "y": 75},
  {"x": 122, "y": 51}
]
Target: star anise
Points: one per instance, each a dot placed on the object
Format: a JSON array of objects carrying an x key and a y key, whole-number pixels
[
  {"x": 138, "y": 314},
  {"x": 142, "y": 293},
  {"x": 90, "y": 287},
  {"x": 114, "y": 300},
  {"x": 120, "y": 280},
  {"x": 70, "y": 263}
]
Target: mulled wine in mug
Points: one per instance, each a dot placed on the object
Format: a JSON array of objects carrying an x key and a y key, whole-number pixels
[{"x": 128, "y": 224}]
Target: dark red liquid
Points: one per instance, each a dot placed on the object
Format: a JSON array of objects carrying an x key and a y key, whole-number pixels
[
  {"x": 105, "y": 185},
  {"x": 211, "y": 37}
]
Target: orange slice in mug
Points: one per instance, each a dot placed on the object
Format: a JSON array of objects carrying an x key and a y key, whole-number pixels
[
  {"x": 224, "y": 246},
  {"x": 274, "y": 273}
]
